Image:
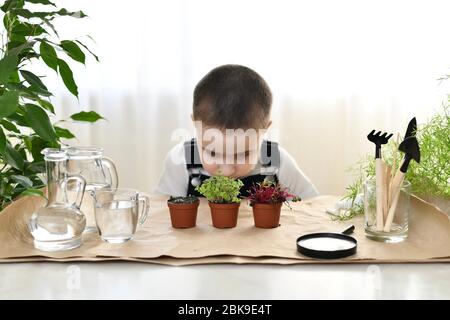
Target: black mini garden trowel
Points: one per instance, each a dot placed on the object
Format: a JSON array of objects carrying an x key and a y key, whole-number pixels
[{"x": 410, "y": 147}]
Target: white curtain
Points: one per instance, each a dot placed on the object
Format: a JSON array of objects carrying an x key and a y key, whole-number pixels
[{"x": 338, "y": 69}]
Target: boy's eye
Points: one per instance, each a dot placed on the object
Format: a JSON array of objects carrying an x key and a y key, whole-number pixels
[{"x": 212, "y": 153}]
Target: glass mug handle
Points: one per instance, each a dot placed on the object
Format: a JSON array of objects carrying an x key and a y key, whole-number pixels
[
  {"x": 112, "y": 176},
  {"x": 80, "y": 187},
  {"x": 144, "y": 200}
]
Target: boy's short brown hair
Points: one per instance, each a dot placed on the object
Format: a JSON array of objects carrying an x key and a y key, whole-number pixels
[{"x": 231, "y": 97}]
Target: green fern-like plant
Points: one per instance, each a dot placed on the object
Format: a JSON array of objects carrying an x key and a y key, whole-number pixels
[{"x": 221, "y": 189}]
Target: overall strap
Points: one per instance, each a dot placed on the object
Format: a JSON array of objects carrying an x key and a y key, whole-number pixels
[
  {"x": 270, "y": 155},
  {"x": 192, "y": 155}
]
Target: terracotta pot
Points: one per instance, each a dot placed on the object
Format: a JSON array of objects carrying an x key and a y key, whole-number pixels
[
  {"x": 183, "y": 215},
  {"x": 267, "y": 215},
  {"x": 224, "y": 215}
]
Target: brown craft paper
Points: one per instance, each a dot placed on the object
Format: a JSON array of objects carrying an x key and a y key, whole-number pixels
[{"x": 157, "y": 242}]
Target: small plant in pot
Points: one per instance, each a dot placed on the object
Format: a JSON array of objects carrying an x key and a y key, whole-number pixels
[
  {"x": 183, "y": 211},
  {"x": 266, "y": 199},
  {"x": 222, "y": 194}
]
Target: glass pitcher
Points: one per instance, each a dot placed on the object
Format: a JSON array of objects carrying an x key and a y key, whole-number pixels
[
  {"x": 99, "y": 172},
  {"x": 59, "y": 225}
]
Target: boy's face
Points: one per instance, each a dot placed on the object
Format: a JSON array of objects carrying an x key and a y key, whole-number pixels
[{"x": 231, "y": 152}]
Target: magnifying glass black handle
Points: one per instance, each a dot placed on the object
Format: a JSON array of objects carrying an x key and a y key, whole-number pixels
[{"x": 348, "y": 230}]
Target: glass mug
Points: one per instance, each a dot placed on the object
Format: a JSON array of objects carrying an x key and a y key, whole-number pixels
[
  {"x": 118, "y": 212},
  {"x": 400, "y": 223}
]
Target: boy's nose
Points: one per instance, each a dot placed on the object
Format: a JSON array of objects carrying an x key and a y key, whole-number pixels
[{"x": 227, "y": 170}]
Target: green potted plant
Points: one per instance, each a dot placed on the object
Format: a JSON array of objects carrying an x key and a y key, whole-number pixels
[
  {"x": 29, "y": 38},
  {"x": 183, "y": 211},
  {"x": 222, "y": 194},
  {"x": 266, "y": 199}
]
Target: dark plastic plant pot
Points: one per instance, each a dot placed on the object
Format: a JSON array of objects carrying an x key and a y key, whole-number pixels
[
  {"x": 224, "y": 215},
  {"x": 183, "y": 215},
  {"x": 267, "y": 215}
]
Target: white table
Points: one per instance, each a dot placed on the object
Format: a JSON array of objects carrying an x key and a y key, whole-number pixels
[{"x": 125, "y": 280}]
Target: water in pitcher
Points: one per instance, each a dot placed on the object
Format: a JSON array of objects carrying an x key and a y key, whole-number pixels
[
  {"x": 117, "y": 220},
  {"x": 56, "y": 228}
]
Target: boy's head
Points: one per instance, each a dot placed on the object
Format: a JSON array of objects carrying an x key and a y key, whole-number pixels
[{"x": 231, "y": 111}]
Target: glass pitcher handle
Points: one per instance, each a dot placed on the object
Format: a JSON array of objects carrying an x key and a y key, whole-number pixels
[
  {"x": 81, "y": 185},
  {"x": 112, "y": 172},
  {"x": 145, "y": 201}
]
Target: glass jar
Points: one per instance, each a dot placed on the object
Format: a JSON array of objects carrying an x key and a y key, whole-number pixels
[{"x": 398, "y": 230}]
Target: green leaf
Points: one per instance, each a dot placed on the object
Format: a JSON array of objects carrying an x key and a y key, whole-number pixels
[
  {"x": 13, "y": 158},
  {"x": 27, "y": 142},
  {"x": 20, "y": 46},
  {"x": 33, "y": 79},
  {"x": 90, "y": 116},
  {"x": 38, "y": 166},
  {"x": 27, "y": 29},
  {"x": 48, "y": 23},
  {"x": 31, "y": 92},
  {"x": 44, "y": 14},
  {"x": 18, "y": 119},
  {"x": 45, "y": 2},
  {"x": 30, "y": 55},
  {"x": 33, "y": 192},
  {"x": 64, "y": 133},
  {"x": 76, "y": 14},
  {"x": 48, "y": 54},
  {"x": 9, "y": 4},
  {"x": 7, "y": 21},
  {"x": 2, "y": 141},
  {"x": 24, "y": 91},
  {"x": 24, "y": 181},
  {"x": 9, "y": 102},
  {"x": 84, "y": 46},
  {"x": 38, "y": 119},
  {"x": 7, "y": 65},
  {"x": 46, "y": 105},
  {"x": 37, "y": 144},
  {"x": 9, "y": 126},
  {"x": 73, "y": 50},
  {"x": 36, "y": 92},
  {"x": 67, "y": 76}
]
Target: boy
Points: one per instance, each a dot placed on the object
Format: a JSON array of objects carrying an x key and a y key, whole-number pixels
[{"x": 231, "y": 113}]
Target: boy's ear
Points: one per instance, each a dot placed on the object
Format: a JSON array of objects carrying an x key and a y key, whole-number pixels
[{"x": 192, "y": 116}]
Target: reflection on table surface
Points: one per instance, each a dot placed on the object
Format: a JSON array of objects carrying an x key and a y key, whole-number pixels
[{"x": 124, "y": 280}]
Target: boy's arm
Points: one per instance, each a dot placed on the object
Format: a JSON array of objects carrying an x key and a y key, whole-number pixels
[
  {"x": 174, "y": 178},
  {"x": 292, "y": 177}
]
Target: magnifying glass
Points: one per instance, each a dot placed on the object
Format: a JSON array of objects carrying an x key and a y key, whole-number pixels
[{"x": 328, "y": 245}]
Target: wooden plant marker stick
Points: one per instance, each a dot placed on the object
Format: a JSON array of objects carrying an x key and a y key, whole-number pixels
[
  {"x": 379, "y": 175},
  {"x": 393, "y": 169},
  {"x": 386, "y": 191}
]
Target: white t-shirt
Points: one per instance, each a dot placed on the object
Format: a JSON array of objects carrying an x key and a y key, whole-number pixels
[{"x": 175, "y": 178}]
